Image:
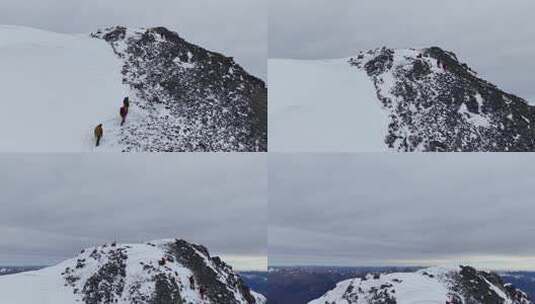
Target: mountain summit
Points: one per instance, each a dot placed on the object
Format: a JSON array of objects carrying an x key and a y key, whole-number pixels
[
  {"x": 158, "y": 272},
  {"x": 437, "y": 103},
  {"x": 459, "y": 285}
]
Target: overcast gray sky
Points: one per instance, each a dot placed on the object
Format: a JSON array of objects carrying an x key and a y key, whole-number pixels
[
  {"x": 236, "y": 28},
  {"x": 493, "y": 36},
  {"x": 52, "y": 205},
  {"x": 402, "y": 209}
]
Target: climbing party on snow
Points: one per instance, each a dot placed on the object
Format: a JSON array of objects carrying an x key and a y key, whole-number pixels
[{"x": 123, "y": 112}]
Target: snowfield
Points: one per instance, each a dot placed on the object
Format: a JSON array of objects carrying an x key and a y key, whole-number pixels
[
  {"x": 323, "y": 106},
  {"x": 55, "y": 89},
  {"x": 46, "y": 287}
]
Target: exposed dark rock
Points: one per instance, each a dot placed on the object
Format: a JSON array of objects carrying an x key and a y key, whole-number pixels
[
  {"x": 205, "y": 276},
  {"x": 166, "y": 291},
  {"x": 106, "y": 285},
  {"x": 475, "y": 288}
]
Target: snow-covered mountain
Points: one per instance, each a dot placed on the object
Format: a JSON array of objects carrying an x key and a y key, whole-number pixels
[
  {"x": 57, "y": 87},
  {"x": 393, "y": 99},
  {"x": 457, "y": 285},
  {"x": 158, "y": 272}
]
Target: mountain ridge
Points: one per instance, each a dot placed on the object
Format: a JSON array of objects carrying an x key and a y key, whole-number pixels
[
  {"x": 162, "y": 271},
  {"x": 463, "y": 284},
  {"x": 385, "y": 99}
]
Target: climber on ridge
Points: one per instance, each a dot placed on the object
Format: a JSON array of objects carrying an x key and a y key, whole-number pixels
[
  {"x": 124, "y": 110},
  {"x": 98, "y": 133}
]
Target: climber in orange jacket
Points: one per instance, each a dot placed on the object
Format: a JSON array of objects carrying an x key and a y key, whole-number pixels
[{"x": 99, "y": 131}]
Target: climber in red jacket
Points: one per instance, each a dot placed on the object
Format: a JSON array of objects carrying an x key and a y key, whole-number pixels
[{"x": 123, "y": 112}]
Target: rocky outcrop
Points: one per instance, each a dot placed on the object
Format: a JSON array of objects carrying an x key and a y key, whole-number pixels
[
  {"x": 437, "y": 103},
  {"x": 186, "y": 98}
]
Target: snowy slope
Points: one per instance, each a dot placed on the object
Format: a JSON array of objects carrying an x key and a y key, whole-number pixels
[
  {"x": 322, "y": 106},
  {"x": 424, "y": 106},
  {"x": 436, "y": 285},
  {"x": 57, "y": 87},
  {"x": 156, "y": 272}
]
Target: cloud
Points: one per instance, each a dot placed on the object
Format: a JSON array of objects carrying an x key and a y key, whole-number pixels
[
  {"x": 378, "y": 209},
  {"x": 54, "y": 204},
  {"x": 492, "y": 36},
  {"x": 237, "y": 28}
]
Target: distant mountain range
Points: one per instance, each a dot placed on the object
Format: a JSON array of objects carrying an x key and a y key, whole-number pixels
[{"x": 5, "y": 270}]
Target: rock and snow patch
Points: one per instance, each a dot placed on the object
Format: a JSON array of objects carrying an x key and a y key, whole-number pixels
[
  {"x": 166, "y": 271},
  {"x": 187, "y": 98}
]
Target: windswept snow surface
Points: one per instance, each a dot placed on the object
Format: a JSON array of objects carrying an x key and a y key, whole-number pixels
[
  {"x": 323, "y": 106},
  {"x": 55, "y": 89},
  {"x": 42, "y": 286}
]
